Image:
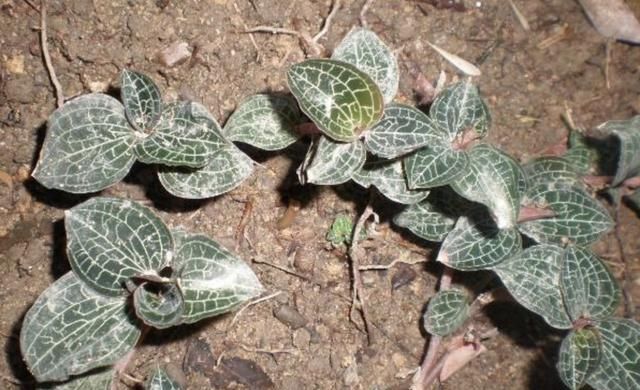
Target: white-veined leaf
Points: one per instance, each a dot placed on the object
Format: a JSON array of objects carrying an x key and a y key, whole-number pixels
[
  {"x": 330, "y": 163},
  {"x": 619, "y": 367},
  {"x": 111, "y": 240},
  {"x": 550, "y": 170},
  {"x": 389, "y": 178},
  {"x": 589, "y": 289},
  {"x": 161, "y": 380},
  {"x": 225, "y": 171},
  {"x": 88, "y": 146},
  {"x": 434, "y": 165},
  {"x": 460, "y": 108},
  {"x": 95, "y": 380},
  {"x": 476, "y": 244},
  {"x": 71, "y": 329},
  {"x": 363, "y": 49},
  {"x": 579, "y": 356},
  {"x": 142, "y": 100},
  {"x": 579, "y": 218},
  {"x": 447, "y": 311},
  {"x": 158, "y": 304},
  {"x": 628, "y": 134},
  {"x": 580, "y": 154},
  {"x": 265, "y": 121},
  {"x": 431, "y": 219},
  {"x": 339, "y": 98},
  {"x": 186, "y": 135},
  {"x": 401, "y": 130},
  {"x": 533, "y": 279},
  {"x": 493, "y": 178},
  {"x": 212, "y": 280}
]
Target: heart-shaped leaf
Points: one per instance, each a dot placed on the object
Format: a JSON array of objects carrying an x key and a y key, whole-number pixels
[
  {"x": 460, "y": 108},
  {"x": 618, "y": 368},
  {"x": 545, "y": 170},
  {"x": 493, "y": 178},
  {"x": 339, "y": 98},
  {"x": 212, "y": 280},
  {"x": 476, "y": 244},
  {"x": 158, "y": 304},
  {"x": 226, "y": 170},
  {"x": 267, "y": 122},
  {"x": 628, "y": 134},
  {"x": 71, "y": 329},
  {"x": 388, "y": 177},
  {"x": 435, "y": 165},
  {"x": 579, "y": 218},
  {"x": 579, "y": 356},
  {"x": 96, "y": 380},
  {"x": 187, "y": 135},
  {"x": 161, "y": 380},
  {"x": 88, "y": 146},
  {"x": 401, "y": 130},
  {"x": 363, "y": 49},
  {"x": 112, "y": 240},
  {"x": 447, "y": 311},
  {"x": 142, "y": 100},
  {"x": 431, "y": 219},
  {"x": 330, "y": 163},
  {"x": 533, "y": 279},
  {"x": 580, "y": 154},
  {"x": 589, "y": 289}
]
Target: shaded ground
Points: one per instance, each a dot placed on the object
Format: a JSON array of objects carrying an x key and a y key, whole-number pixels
[{"x": 526, "y": 87}]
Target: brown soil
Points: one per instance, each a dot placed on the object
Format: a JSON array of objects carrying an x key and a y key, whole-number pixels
[{"x": 526, "y": 87}]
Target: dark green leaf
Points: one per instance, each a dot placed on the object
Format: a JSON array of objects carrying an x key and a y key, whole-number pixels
[
  {"x": 579, "y": 356},
  {"x": 579, "y": 218},
  {"x": 158, "y": 305},
  {"x": 212, "y": 280},
  {"x": 431, "y": 219},
  {"x": 628, "y": 134},
  {"x": 226, "y": 170},
  {"x": 330, "y": 163},
  {"x": 388, "y": 177},
  {"x": 363, "y": 49},
  {"x": 96, "y": 380},
  {"x": 580, "y": 154},
  {"x": 533, "y": 279},
  {"x": 71, "y": 329},
  {"x": 142, "y": 100},
  {"x": 460, "y": 108},
  {"x": 339, "y": 98},
  {"x": 111, "y": 240},
  {"x": 447, "y": 311},
  {"x": 619, "y": 367},
  {"x": 545, "y": 170},
  {"x": 88, "y": 147},
  {"x": 434, "y": 165},
  {"x": 160, "y": 380},
  {"x": 589, "y": 289},
  {"x": 267, "y": 122}
]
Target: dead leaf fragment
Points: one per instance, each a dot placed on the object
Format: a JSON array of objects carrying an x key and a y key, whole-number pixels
[
  {"x": 460, "y": 357},
  {"x": 613, "y": 19},
  {"x": 174, "y": 55},
  {"x": 461, "y": 64}
]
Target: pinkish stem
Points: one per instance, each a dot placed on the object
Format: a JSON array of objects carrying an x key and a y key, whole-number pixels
[{"x": 532, "y": 213}]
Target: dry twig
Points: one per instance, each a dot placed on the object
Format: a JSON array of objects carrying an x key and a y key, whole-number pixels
[
  {"x": 45, "y": 54},
  {"x": 380, "y": 267},
  {"x": 363, "y": 11},
  {"x": 255, "y": 301}
]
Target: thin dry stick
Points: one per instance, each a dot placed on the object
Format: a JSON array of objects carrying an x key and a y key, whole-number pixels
[
  {"x": 253, "y": 40},
  {"x": 357, "y": 295},
  {"x": 379, "y": 267},
  {"x": 327, "y": 22},
  {"x": 45, "y": 54},
  {"x": 363, "y": 11},
  {"x": 421, "y": 380},
  {"x": 244, "y": 220},
  {"x": 283, "y": 269},
  {"x": 272, "y": 30},
  {"x": 629, "y": 308},
  {"x": 607, "y": 62},
  {"x": 268, "y": 351},
  {"x": 270, "y": 296}
]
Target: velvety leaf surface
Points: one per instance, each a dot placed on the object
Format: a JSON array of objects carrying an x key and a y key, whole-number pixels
[
  {"x": 579, "y": 356},
  {"x": 580, "y": 154},
  {"x": 589, "y": 289},
  {"x": 533, "y": 279},
  {"x": 226, "y": 170},
  {"x": 429, "y": 219},
  {"x": 212, "y": 280},
  {"x": 331, "y": 163},
  {"x": 619, "y": 367},
  {"x": 100, "y": 380},
  {"x": 628, "y": 134},
  {"x": 142, "y": 100},
  {"x": 110, "y": 240},
  {"x": 160, "y": 306},
  {"x": 88, "y": 146},
  {"x": 435, "y": 165},
  {"x": 265, "y": 121},
  {"x": 545, "y": 170},
  {"x": 363, "y": 49},
  {"x": 388, "y": 177},
  {"x": 339, "y": 98},
  {"x": 71, "y": 329},
  {"x": 447, "y": 311}
]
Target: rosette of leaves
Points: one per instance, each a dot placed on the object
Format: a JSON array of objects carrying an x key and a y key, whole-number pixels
[
  {"x": 128, "y": 269},
  {"x": 93, "y": 140}
]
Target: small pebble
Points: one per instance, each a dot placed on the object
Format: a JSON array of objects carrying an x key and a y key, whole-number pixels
[{"x": 290, "y": 317}]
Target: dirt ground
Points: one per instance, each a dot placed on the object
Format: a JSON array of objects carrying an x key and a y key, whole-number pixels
[{"x": 527, "y": 86}]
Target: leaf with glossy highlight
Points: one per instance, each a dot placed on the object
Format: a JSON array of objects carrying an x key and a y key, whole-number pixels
[
  {"x": 533, "y": 279},
  {"x": 619, "y": 367},
  {"x": 447, "y": 311},
  {"x": 363, "y": 49},
  {"x": 435, "y": 165},
  {"x": 161, "y": 380},
  {"x": 579, "y": 356},
  {"x": 339, "y": 98},
  {"x": 459, "y": 108},
  {"x": 265, "y": 121},
  {"x": 142, "y": 100},
  {"x": 88, "y": 146},
  {"x": 95, "y": 380},
  {"x": 110, "y": 240},
  {"x": 71, "y": 329},
  {"x": 159, "y": 305},
  {"x": 212, "y": 280},
  {"x": 331, "y": 163},
  {"x": 431, "y": 219},
  {"x": 545, "y": 170},
  {"x": 388, "y": 177}
]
